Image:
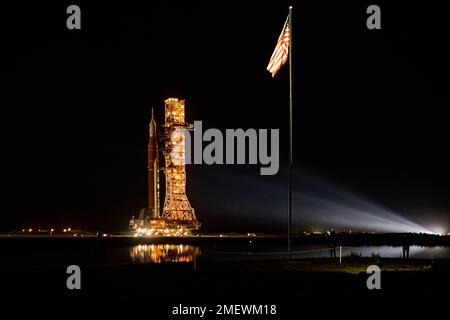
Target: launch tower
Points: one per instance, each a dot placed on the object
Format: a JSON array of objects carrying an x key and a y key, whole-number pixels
[{"x": 176, "y": 205}]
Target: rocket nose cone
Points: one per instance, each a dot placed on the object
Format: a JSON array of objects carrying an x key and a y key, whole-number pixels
[{"x": 152, "y": 125}]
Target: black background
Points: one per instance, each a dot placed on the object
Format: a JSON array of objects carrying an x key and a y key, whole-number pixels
[{"x": 370, "y": 109}]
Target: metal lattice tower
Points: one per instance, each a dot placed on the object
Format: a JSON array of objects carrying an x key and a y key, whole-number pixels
[{"x": 176, "y": 203}]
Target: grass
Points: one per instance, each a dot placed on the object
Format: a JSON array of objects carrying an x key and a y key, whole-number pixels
[
  {"x": 349, "y": 265},
  {"x": 357, "y": 265}
]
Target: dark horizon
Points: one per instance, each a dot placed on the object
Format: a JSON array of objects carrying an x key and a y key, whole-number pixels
[{"x": 370, "y": 111}]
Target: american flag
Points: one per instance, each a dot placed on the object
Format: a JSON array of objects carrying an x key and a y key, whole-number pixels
[{"x": 281, "y": 52}]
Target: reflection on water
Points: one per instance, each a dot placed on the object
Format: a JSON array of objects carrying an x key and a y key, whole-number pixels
[{"x": 158, "y": 253}]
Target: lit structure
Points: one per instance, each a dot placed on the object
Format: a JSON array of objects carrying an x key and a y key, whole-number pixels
[
  {"x": 176, "y": 205},
  {"x": 177, "y": 217}
]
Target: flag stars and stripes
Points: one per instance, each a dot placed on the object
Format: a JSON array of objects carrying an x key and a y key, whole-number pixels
[{"x": 281, "y": 52}]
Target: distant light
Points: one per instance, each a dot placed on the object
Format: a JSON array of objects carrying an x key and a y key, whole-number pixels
[
  {"x": 29, "y": 230},
  {"x": 23, "y": 230},
  {"x": 65, "y": 230},
  {"x": 438, "y": 230},
  {"x": 52, "y": 229},
  {"x": 68, "y": 229}
]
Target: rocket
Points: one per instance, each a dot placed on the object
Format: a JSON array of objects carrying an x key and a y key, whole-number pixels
[{"x": 153, "y": 171}]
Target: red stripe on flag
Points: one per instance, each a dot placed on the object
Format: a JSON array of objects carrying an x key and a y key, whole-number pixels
[{"x": 281, "y": 52}]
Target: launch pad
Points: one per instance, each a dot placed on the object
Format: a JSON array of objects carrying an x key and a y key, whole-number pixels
[{"x": 177, "y": 217}]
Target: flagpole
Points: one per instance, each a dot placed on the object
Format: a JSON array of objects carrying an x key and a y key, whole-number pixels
[{"x": 290, "y": 137}]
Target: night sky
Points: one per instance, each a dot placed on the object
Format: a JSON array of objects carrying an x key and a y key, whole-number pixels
[{"x": 371, "y": 109}]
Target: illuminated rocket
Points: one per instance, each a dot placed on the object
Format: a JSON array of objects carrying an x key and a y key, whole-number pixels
[
  {"x": 153, "y": 171},
  {"x": 177, "y": 217}
]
